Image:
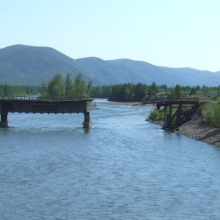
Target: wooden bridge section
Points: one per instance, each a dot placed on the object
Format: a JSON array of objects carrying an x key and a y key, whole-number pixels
[
  {"x": 31, "y": 105},
  {"x": 177, "y": 112}
]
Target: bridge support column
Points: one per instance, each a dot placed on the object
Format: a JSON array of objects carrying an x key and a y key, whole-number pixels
[
  {"x": 168, "y": 118},
  {"x": 165, "y": 117},
  {"x": 87, "y": 123},
  {"x": 178, "y": 116},
  {"x": 4, "y": 120}
]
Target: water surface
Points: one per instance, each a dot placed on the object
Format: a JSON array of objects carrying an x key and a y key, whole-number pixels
[{"x": 123, "y": 168}]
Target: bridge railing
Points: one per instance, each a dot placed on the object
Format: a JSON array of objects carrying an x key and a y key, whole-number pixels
[
  {"x": 63, "y": 98},
  {"x": 48, "y": 98},
  {"x": 18, "y": 97},
  {"x": 173, "y": 99}
]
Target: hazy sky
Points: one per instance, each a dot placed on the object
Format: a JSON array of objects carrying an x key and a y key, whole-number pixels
[{"x": 174, "y": 33}]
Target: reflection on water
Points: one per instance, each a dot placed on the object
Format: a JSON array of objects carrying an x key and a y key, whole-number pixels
[{"x": 123, "y": 168}]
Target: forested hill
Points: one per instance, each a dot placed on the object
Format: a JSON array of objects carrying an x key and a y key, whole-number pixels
[{"x": 28, "y": 65}]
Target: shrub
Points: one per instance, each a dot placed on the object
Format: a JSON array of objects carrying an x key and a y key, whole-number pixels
[
  {"x": 157, "y": 115},
  {"x": 211, "y": 114}
]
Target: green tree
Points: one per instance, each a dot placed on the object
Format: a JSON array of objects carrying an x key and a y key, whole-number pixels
[
  {"x": 198, "y": 88},
  {"x": 79, "y": 86},
  {"x": 43, "y": 89},
  {"x": 129, "y": 92},
  {"x": 69, "y": 86},
  {"x": 193, "y": 91},
  {"x": 177, "y": 91},
  {"x": 152, "y": 91},
  {"x": 205, "y": 89},
  {"x": 55, "y": 86},
  {"x": 211, "y": 113},
  {"x": 154, "y": 88},
  {"x": 1, "y": 91},
  {"x": 89, "y": 87}
]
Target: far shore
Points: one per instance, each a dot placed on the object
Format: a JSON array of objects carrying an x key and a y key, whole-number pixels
[{"x": 124, "y": 103}]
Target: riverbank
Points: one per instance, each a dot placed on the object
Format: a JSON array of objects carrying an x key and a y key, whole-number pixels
[
  {"x": 198, "y": 130},
  {"x": 121, "y": 103}
]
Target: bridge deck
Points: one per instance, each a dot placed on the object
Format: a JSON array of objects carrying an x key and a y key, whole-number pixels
[
  {"x": 161, "y": 102},
  {"x": 30, "y": 105},
  {"x": 43, "y": 106}
]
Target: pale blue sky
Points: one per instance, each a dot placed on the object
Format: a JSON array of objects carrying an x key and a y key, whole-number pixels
[{"x": 173, "y": 33}]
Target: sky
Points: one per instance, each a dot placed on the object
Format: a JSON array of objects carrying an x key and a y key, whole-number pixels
[{"x": 172, "y": 33}]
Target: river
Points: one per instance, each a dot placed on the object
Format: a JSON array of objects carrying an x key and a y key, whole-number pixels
[{"x": 123, "y": 168}]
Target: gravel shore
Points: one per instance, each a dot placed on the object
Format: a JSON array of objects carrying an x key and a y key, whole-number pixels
[{"x": 197, "y": 129}]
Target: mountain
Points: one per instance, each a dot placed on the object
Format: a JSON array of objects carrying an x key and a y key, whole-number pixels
[
  {"x": 124, "y": 70},
  {"x": 28, "y": 65}
]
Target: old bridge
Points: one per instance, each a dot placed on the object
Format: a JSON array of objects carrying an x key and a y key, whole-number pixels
[
  {"x": 177, "y": 112},
  {"x": 36, "y": 105}
]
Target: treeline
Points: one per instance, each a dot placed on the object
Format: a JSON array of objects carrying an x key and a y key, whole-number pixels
[
  {"x": 65, "y": 88},
  {"x": 8, "y": 90},
  {"x": 127, "y": 92},
  {"x": 141, "y": 92}
]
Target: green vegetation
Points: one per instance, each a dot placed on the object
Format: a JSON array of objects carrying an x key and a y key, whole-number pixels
[
  {"x": 122, "y": 92},
  {"x": 141, "y": 92},
  {"x": 7, "y": 90},
  {"x": 68, "y": 88},
  {"x": 211, "y": 113},
  {"x": 157, "y": 115}
]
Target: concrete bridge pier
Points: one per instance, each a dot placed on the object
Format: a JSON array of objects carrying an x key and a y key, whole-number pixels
[
  {"x": 4, "y": 120},
  {"x": 87, "y": 123}
]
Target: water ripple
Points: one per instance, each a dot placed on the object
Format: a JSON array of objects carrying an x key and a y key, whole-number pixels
[{"x": 123, "y": 168}]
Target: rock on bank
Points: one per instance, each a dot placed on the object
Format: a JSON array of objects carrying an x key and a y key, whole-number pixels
[{"x": 197, "y": 129}]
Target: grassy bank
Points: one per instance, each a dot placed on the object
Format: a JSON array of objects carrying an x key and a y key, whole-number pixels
[{"x": 211, "y": 113}]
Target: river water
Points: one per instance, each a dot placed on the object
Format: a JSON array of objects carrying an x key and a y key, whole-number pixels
[{"x": 123, "y": 168}]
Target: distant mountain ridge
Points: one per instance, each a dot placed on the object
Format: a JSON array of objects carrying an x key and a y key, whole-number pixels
[{"x": 29, "y": 65}]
